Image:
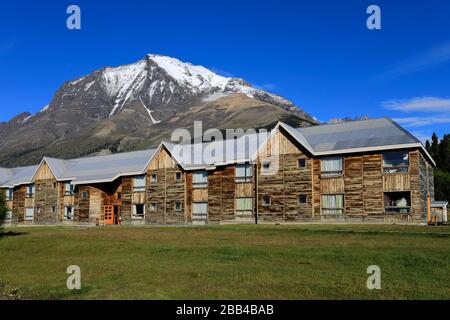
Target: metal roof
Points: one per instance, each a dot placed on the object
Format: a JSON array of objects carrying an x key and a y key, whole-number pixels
[
  {"x": 439, "y": 204},
  {"x": 216, "y": 153},
  {"x": 356, "y": 134},
  {"x": 319, "y": 140},
  {"x": 17, "y": 176}
]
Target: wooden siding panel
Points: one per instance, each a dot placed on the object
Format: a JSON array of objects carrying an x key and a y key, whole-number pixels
[
  {"x": 45, "y": 199},
  {"x": 373, "y": 185},
  {"x": 18, "y": 210},
  {"x": 396, "y": 182},
  {"x": 353, "y": 185},
  {"x": 332, "y": 185},
  {"x": 414, "y": 170}
]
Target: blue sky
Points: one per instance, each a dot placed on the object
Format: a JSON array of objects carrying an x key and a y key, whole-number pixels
[{"x": 318, "y": 54}]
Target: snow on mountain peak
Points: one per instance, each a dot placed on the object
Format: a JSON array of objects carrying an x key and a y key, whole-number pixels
[{"x": 197, "y": 77}]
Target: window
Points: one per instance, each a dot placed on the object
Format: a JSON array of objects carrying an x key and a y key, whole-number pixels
[
  {"x": 30, "y": 191},
  {"x": 153, "y": 206},
  {"x": 266, "y": 166},
  {"x": 85, "y": 195},
  {"x": 139, "y": 210},
  {"x": 331, "y": 167},
  {"x": 397, "y": 202},
  {"x": 244, "y": 173},
  {"x": 154, "y": 178},
  {"x": 244, "y": 206},
  {"x": 53, "y": 210},
  {"x": 38, "y": 210},
  {"x": 38, "y": 187},
  {"x": 68, "y": 188},
  {"x": 266, "y": 200},
  {"x": 68, "y": 213},
  {"x": 119, "y": 195},
  {"x": 9, "y": 194},
  {"x": 54, "y": 185},
  {"x": 395, "y": 162},
  {"x": 29, "y": 214},
  {"x": 332, "y": 204},
  {"x": 178, "y": 206},
  {"x": 200, "y": 179},
  {"x": 302, "y": 199},
  {"x": 178, "y": 176},
  {"x": 301, "y": 163},
  {"x": 139, "y": 184},
  {"x": 200, "y": 211}
]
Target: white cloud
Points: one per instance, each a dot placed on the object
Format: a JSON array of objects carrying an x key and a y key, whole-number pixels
[
  {"x": 423, "y": 104},
  {"x": 422, "y": 121}
]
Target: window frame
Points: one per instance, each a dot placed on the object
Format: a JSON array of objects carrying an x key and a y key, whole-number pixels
[
  {"x": 175, "y": 206},
  {"x": 153, "y": 206},
  {"x": 332, "y": 173},
  {"x": 9, "y": 194},
  {"x": 139, "y": 187},
  {"x": 28, "y": 218},
  {"x": 386, "y": 168},
  {"x": 395, "y": 207},
  {"x": 264, "y": 168},
  {"x": 181, "y": 176},
  {"x": 31, "y": 190},
  {"x": 154, "y": 177},
  {"x": 72, "y": 212},
  {"x": 242, "y": 211},
  {"x": 135, "y": 214},
  {"x": 200, "y": 216},
  {"x": 248, "y": 173},
  {"x": 8, "y": 215},
  {"x": 69, "y": 192},
  {"x": 342, "y": 209},
  {"x": 306, "y": 199},
  {"x": 264, "y": 203},
  {"x": 302, "y": 167},
  {"x": 200, "y": 185}
]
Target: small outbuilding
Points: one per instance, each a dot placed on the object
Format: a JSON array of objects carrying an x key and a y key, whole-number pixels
[{"x": 439, "y": 211}]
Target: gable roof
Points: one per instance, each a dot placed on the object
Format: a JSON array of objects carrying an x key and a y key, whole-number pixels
[
  {"x": 17, "y": 176},
  {"x": 195, "y": 156},
  {"x": 355, "y": 136}
]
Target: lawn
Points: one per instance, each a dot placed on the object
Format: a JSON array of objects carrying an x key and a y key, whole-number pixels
[{"x": 227, "y": 262}]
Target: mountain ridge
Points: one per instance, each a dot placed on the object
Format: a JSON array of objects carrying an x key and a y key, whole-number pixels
[{"x": 131, "y": 106}]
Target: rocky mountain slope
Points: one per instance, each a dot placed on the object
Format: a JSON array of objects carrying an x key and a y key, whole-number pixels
[{"x": 135, "y": 106}]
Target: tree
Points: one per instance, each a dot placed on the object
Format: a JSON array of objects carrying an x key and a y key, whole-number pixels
[
  {"x": 440, "y": 151},
  {"x": 435, "y": 147},
  {"x": 3, "y": 208}
]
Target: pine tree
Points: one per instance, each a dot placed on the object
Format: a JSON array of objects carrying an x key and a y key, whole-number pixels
[{"x": 435, "y": 147}]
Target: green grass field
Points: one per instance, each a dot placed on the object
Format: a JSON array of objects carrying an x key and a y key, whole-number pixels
[{"x": 227, "y": 262}]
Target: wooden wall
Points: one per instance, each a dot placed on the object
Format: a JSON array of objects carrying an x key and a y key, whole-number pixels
[
  {"x": 166, "y": 191},
  {"x": 285, "y": 181},
  {"x": 221, "y": 194},
  {"x": 46, "y": 196},
  {"x": 18, "y": 212}
]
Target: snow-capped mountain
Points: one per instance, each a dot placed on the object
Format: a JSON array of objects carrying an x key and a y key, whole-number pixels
[{"x": 131, "y": 106}]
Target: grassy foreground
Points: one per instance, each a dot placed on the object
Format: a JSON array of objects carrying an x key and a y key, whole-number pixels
[{"x": 228, "y": 262}]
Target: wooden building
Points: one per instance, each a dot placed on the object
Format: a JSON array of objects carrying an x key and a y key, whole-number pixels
[{"x": 362, "y": 171}]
